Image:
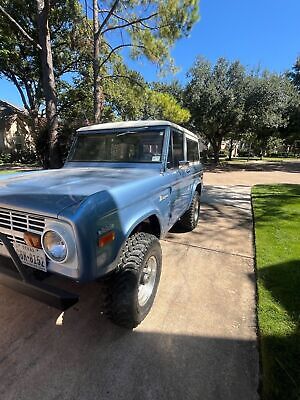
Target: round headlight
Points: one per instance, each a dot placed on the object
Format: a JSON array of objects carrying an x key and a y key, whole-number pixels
[{"x": 54, "y": 246}]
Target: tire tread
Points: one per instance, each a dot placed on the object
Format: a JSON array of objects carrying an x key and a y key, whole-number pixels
[
  {"x": 118, "y": 303},
  {"x": 187, "y": 220}
]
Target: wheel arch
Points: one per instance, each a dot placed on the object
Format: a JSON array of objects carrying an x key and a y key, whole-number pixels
[
  {"x": 148, "y": 224},
  {"x": 198, "y": 188}
]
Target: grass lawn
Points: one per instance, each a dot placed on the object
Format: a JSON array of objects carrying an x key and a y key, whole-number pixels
[
  {"x": 14, "y": 170},
  {"x": 244, "y": 160},
  {"x": 277, "y": 236},
  {"x": 7, "y": 171},
  {"x": 281, "y": 159}
]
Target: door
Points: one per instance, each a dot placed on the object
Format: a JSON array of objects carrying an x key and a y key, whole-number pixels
[
  {"x": 180, "y": 181},
  {"x": 192, "y": 155}
]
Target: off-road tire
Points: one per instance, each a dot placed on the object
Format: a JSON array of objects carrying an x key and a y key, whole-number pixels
[
  {"x": 121, "y": 304},
  {"x": 190, "y": 218}
]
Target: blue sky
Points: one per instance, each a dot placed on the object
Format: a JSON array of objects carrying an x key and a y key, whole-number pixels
[{"x": 263, "y": 33}]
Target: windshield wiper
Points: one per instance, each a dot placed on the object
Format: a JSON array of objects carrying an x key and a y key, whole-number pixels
[
  {"x": 125, "y": 133},
  {"x": 136, "y": 130}
]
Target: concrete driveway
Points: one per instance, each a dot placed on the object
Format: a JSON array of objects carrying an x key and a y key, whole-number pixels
[{"x": 198, "y": 342}]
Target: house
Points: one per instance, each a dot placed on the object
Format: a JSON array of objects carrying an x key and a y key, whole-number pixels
[
  {"x": 235, "y": 146},
  {"x": 15, "y": 133}
]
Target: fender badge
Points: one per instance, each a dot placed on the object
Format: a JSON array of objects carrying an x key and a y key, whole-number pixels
[
  {"x": 163, "y": 197},
  {"x": 105, "y": 229}
]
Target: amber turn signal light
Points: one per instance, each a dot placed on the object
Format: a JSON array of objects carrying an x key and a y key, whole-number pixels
[
  {"x": 107, "y": 238},
  {"x": 32, "y": 240}
]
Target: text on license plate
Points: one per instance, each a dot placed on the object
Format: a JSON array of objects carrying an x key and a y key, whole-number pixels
[{"x": 31, "y": 256}]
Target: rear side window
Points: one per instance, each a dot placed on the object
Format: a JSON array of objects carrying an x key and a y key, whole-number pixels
[
  {"x": 178, "y": 154},
  {"x": 176, "y": 151},
  {"x": 192, "y": 150}
]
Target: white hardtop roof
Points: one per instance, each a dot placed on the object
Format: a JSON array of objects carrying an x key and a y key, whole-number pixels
[{"x": 135, "y": 124}]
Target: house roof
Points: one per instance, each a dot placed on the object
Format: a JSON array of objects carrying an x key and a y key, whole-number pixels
[
  {"x": 135, "y": 124},
  {"x": 5, "y": 104}
]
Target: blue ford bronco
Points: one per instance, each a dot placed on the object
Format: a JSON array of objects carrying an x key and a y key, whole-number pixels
[{"x": 122, "y": 188}]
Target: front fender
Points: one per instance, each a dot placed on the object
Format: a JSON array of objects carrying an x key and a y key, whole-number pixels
[
  {"x": 129, "y": 220},
  {"x": 87, "y": 219},
  {"x": 133, "y": 223},
  {"x": 98, "y": 215}
]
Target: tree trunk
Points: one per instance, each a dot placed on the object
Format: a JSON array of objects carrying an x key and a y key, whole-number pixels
[
  {"x": 98, "y": 93},
  {"x": 249, "y": 151},
  {"x": 230, "y": 149},
  {"x": 216, "y": 145},
  {"x": 54, "y": 159}
]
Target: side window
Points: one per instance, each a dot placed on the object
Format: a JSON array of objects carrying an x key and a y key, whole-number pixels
[
  {"x": 170, "y": 153},
  {"x": 178, "y": 153},
  {"x": 175, "y": 152},
  {"x": 192, "y": 150}
]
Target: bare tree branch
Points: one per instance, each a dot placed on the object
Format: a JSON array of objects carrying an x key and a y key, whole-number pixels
[
  {"x": 86, "y": 9},
  {"x": 113, "y": 14},
  {"x": 141, "y": 22},
  {"x": 109, "y": 14},
  {"x": 129, "y": 23},
  {"x": 13, "y": 78},
  {"x": 155, "y": 28},
  {"x": 20, "y": 28},
  {"x": 117, "y": 48},
  {"x": 107, "y": 44},
  {"x": 28, "y": 90}
]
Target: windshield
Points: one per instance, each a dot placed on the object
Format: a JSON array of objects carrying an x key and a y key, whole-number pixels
[{"x": 128, "y": 146}]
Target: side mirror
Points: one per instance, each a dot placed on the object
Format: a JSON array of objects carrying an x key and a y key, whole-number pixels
[{"x": 183, "y": 164}]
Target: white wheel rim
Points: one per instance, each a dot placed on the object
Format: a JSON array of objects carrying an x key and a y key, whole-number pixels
[{"x": 147, "y": 281}]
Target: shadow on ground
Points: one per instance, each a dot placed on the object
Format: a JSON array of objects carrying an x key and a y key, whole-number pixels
[
  {"x": 283, "y": 282},
  {"x": 281, "y": 353},
  {"x": 88, "y": 357},
  {"x": 225, "y": 222},
  {"x": 275, "y": 202},
  {"x": 212, "y": 213}
]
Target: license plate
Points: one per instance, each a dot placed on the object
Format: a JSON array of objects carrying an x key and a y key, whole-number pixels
[{"x": 31, "y": 256}]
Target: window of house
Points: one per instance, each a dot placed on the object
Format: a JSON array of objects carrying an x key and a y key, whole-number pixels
[{"x": 18, "y": 141}]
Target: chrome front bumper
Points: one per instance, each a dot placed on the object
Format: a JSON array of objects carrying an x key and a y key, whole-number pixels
[{"x": 24, "y": 282}]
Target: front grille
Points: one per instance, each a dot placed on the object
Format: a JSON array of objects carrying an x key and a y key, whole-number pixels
[
  {"x": 20, "y": 222},
  {"x": 13, "y": 239},
  {"x": 15, "y": 223}
]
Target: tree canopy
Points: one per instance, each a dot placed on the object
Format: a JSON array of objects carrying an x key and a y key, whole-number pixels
[
  {"x": 19, "y": 58},
  {"x": 216, "y": 99},
  {"x": 226, "y": 101},
  {"x": 147, "y": 28},
  {"x": 86, "y": 44}
]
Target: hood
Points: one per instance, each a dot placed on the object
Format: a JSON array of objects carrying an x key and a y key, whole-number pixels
[{"x": 49, "y": 192}]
